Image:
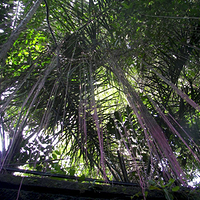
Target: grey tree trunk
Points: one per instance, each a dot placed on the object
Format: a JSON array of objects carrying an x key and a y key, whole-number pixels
[{"x": 22, "y": 26}]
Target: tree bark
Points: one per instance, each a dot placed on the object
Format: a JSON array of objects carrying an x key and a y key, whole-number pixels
[{"x": 15, "y": 34}]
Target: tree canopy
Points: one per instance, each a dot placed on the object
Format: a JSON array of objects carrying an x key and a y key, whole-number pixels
[{"x": 100, "y": 88}]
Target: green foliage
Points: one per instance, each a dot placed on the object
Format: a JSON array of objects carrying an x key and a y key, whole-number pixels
[
  {"x": 168, "y": 188},
  {"x": 89, "y": 106}
]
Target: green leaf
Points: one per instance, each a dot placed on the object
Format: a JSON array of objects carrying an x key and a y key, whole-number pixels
[
  {"x": 54, "y": 156},
  {"x": 82, "y": 178},
  {"x": 171, "y": 181},
  {"x": 151, "y": 182},
  {"x": 151, "y": 187},
  {"x": 57, "y": 152},
  {"x": 126, "y": 5},
  {"x": 175, "y": 189},
  {"x": 71, "y": 172}
]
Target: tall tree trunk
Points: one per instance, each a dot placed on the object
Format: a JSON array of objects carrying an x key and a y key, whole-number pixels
[{"x": 15, "y": 34}]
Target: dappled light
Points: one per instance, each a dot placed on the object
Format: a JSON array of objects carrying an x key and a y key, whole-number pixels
[{"x": 107, "y": 90}]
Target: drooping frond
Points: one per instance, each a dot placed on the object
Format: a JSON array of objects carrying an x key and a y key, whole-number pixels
[{"x": 103, "y": 88}]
